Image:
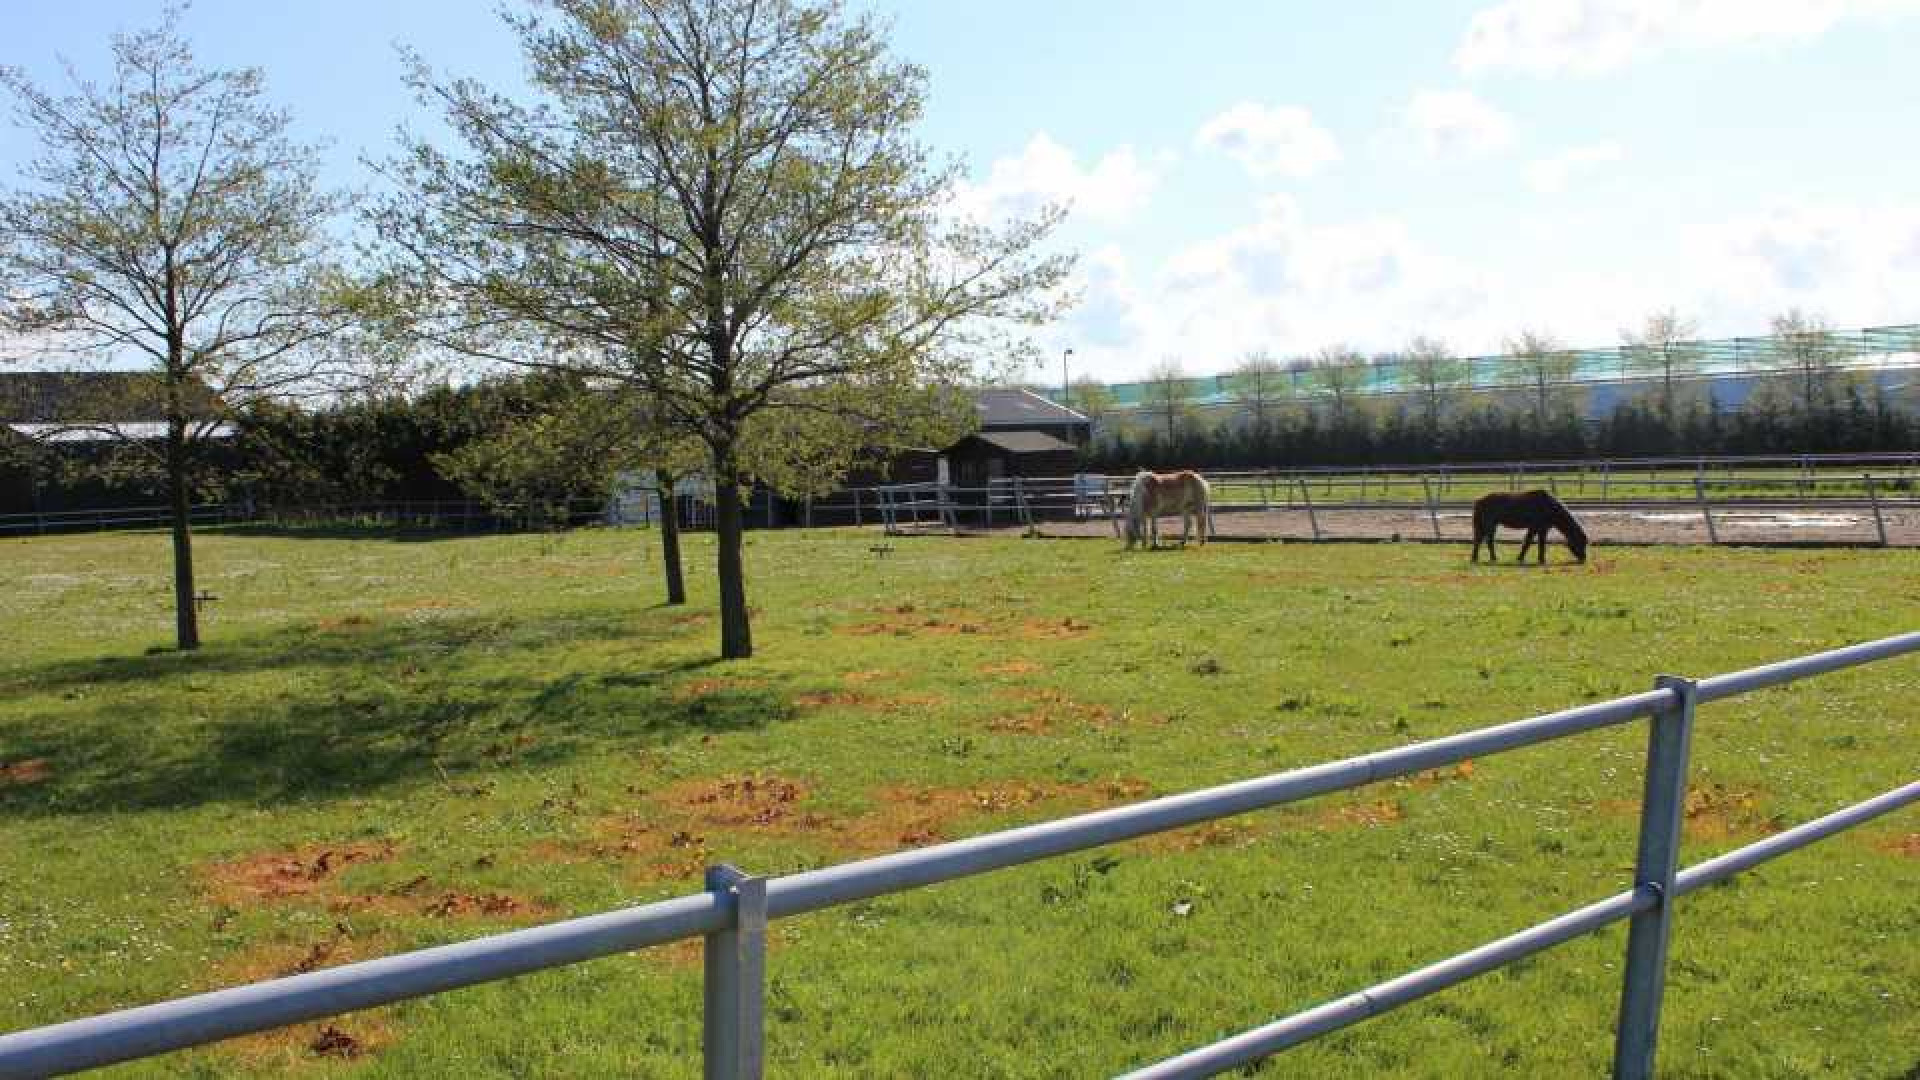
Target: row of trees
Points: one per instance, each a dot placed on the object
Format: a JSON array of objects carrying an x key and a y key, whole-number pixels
[
  {"x": 711, "y": 215},
  {"x": 1662, "y": 350},
  {"x": 1850, "y": 416}
]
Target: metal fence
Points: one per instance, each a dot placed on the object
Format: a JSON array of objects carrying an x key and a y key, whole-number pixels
[
  {"x": 1318, "y": 503},
  {"x": 733, "y": 913}
]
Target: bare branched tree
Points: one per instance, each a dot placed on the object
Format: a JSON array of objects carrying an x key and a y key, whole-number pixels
[
  {"x": 171, "y": 223},
  {"x": 1166, "y": 395},
  {"x": 1435, "y": 373},
  {"x": 1805, "y": 343},
  {"x": 1339, "y": 374},
  {"x": 1261, "y": 385},
  {"x": 1663, "y": 346},
  {"x": 1543, "y": 365}
]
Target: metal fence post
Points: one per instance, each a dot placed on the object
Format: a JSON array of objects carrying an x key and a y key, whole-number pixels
[
  {"x": 1706, "y": 510},
  {"x": 1662, "y": 808},
  {"x": 1433, "y": 511},
  {"x": 1873, "y": 497},
  {"x": 733, "y": 1027},
  {"x": 1306, "y": 497}
]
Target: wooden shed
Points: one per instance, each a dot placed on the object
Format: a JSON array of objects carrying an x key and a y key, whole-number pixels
[{"x": 978, "y": 460}]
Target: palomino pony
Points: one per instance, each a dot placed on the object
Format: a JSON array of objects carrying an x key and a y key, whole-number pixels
[
  {"x": 1154, "y": 494},
  {"x": 1534, "y": 511}
]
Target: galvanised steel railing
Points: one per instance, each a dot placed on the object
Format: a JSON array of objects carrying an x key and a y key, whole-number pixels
[{"x": 732, "y": 914}]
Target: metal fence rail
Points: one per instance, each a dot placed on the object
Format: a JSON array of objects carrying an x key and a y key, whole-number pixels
[{"x": 733, "y": 913}]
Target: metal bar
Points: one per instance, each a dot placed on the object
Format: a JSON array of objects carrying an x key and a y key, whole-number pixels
[
  {"x": 733, "y": 1022},
  {"x": 1662, "y": 807},
  {"x": 1313, "y": 519},
  {"x": 203, "y": 1018},
  {"x": 1736, "y": 683},
  {"x": 812, "y": 890},
  {"x": 1873, "y": 496},
  {"x": 1345, "y": 1012},
  {"x": 1706, "y": 510},
  {"x": 1721, "y": 867}
]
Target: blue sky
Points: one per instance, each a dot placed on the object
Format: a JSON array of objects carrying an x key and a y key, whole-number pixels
[{"x": 1291, "y": 175}]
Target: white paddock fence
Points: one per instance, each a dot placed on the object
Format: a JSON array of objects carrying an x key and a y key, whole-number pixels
[
  {"x": 1881, "y": 508},
  {"x": 732, "y": 914}
]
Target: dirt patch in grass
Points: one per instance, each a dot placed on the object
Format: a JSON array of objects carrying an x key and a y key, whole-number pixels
[
  {"x": 281, "y": 959},
  {"x": 701, "y": 814},
  {"x": 915, "y": 625},
  {"x": 1012, "y": 667},
  {"x": 1213, "y": 834},
  {"x": 22, "y": 773},
  {"x": 486, "y": 905},
  {"x": 751, "y": 800},
  {"x": 420, "y": 897},
  {"x": 306, "y": 1047},
  {"x": 702, "y": 688},
  {"x": 1065, "y": 629},
  {"x": 855, "y": 699},
  {"x": 1051, "y": 708},
  {"x": 281, "y": 875},
  {"x": 344, "y": 624},
  {"x": 1370, "y": 813},
  {"x": 1908, "y": 845},
  {"x": 916, "y": 817},
  {"x": 1712, "y": 812},
  {"x": 1436, "y": 777},
  {"x": 862, "y": 678}
]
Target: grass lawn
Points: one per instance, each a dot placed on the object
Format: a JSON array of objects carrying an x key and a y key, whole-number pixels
[{"x": 389, "y": 743}]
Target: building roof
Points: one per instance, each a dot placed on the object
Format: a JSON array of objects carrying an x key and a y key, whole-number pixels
[
  {"x": 1014, "y": 408},
  {"x": 1023, "y": 442},
  {"x": 93, "y": 397}
]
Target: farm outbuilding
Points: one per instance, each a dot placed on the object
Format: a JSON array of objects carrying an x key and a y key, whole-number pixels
[{"x": 980, "y": 459}]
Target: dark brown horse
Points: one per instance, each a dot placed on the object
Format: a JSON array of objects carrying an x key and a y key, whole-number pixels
[{"x": 1534, "y": 511}]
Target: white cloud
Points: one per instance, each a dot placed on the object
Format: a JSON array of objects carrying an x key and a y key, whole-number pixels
[
  {"x": 1860, "y": 265},
  {"x": 1284, "y": 282},
  {"x": 1456, "y": 124},
  {"x": 1279, "y": 282},
  {"x": 1112, "y": 189},
  {"x": 1552, "y": 175},
  {"x": 1545, "y": 37},
  {"x": 1271, "y": 140}
]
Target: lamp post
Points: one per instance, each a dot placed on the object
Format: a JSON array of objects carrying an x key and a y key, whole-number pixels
[{"x": 1066, "y": 387}]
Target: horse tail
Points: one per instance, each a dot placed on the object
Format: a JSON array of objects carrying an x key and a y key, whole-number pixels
[
  {"x": 1137, "y": 506},
  {"x": 1206, "y": 507}
]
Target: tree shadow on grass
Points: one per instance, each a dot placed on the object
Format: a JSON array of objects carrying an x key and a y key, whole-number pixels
[{"x": 361, "y": 709}]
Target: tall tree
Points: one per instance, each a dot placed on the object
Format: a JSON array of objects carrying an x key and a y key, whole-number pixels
[
  {"x": 1434, "y": 372},
  {"x": 720, "y": 204},
  {"x": 1543, "y": 365},
  {"x": 1166, "y": 396},
  {"x": 1663, "y": 346},
  {"x": 1339, "y": 374},
  {"x": 170, "y": 219},
  {"x": 1091, "y": 398},
  {"x": 1261, "y": 385},
  {"x": 1805, "y": 345}
]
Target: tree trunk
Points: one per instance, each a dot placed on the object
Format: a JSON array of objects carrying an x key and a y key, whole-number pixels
[
  {"x": 736, "y": 635},
  {"x": 186, "y": 618},
  {"x": 670, "y": 540}
]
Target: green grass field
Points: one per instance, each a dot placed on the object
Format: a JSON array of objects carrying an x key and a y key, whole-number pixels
[{"x": 389, "y": 743}]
